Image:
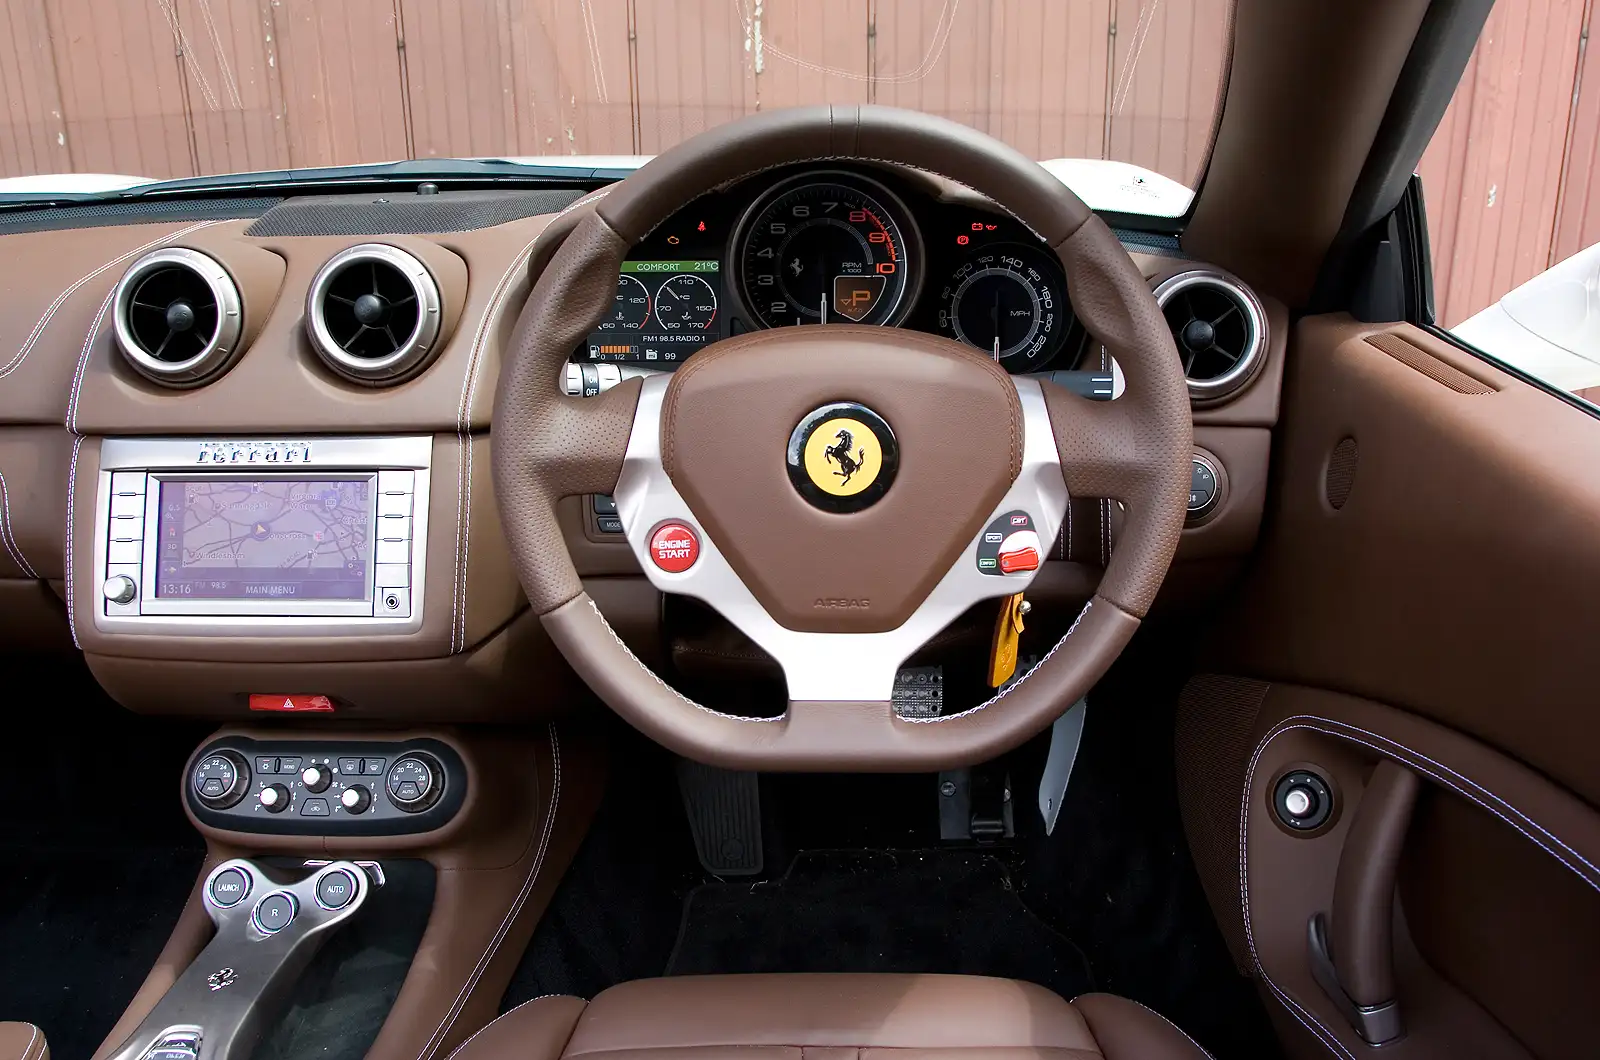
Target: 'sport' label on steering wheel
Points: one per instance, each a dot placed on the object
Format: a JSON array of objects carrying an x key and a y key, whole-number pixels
[{"x": 1009, "y": 545}]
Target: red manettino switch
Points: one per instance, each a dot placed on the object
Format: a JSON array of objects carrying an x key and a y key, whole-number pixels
[
  {"x": 1019, "y": 559},
  {"x": 296, "y": 704}
]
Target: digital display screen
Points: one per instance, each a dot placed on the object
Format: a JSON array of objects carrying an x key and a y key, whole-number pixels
[
  {"x": 265, "y": 539},
  {"x": 663, "y": 312}
]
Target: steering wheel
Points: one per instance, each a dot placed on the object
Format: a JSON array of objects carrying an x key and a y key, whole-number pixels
[{"x": 839, "y": 555}]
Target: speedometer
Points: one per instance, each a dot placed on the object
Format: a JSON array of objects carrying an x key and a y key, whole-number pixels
[
  {"x": 830, "y": 250},
  {"x": 1007, "y": 301}
]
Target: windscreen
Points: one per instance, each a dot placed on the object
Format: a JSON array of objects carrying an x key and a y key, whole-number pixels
[{"x": 194, "y": 89}]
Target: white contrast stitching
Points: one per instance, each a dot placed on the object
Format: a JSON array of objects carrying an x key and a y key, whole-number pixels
[
  {"x": 680, "y": 696},
  {"x": 1441, "y": 773},
  {"x": 38, "y": 329},
  {"x": 503, "y": 1015},
  {"x": 83, "y": 361},
  {"x": 469, "y": 387},
  {"x": 28, "y": 1049},
  {"x": 516, "y": 905},
  {"x": 1105, "y": 532},
  {"x": 1013, "y": 686},
  {"x": 8, "y": 532},
  {"x": 1462, "y": 785},
  {"x": 1163, "y": 1019},
  {"x": 72, "y": 494}
]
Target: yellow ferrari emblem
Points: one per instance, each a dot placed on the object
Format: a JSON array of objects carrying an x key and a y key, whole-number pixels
[{"x": 843, "y": 456}]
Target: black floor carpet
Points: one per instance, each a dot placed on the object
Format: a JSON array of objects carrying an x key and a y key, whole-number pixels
[
  {"x": 1110, "y": 901},
  {"x": 98, "y": 855},
  {"x": 877, "y": 911}
]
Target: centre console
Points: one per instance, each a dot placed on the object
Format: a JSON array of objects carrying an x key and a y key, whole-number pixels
[
  {"x": 222, "y": 538},
  {"x": 268, "y": 927},
  {"x": 326, "y": 787}
]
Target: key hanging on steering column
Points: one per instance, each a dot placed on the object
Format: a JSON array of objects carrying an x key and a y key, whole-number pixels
[{"x": 1007, "y": 630}]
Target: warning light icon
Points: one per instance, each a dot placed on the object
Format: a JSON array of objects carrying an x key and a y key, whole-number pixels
[{"x": 701, "y": 227}]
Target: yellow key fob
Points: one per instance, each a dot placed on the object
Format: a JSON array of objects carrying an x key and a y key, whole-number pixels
[{"x": 1007, "y": 630}]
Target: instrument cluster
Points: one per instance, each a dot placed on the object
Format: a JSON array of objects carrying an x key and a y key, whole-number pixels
[{"x": 838, "y": 246}]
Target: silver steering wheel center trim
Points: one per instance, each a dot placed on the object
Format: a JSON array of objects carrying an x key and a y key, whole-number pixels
[{"x": 833, "y": 666}]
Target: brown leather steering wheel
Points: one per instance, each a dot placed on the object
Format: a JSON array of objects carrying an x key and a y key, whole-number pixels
[{"x": 969, "y": 455}]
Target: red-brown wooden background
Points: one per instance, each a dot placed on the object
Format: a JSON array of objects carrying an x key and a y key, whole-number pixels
[{"x": 165, "y": 88}]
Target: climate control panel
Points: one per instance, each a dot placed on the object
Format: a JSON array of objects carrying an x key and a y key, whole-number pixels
[{"x": 325, "y": 787}]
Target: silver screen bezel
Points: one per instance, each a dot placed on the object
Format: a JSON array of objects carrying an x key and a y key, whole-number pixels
[{"x": 225, "y": 606}]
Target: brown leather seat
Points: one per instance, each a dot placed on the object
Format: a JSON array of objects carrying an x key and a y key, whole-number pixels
[
  {"x": 830, "y": 1017},
  {"x": 22, "y": 1041}
]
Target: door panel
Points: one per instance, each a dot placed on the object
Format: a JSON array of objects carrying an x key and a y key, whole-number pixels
[
  {"x": 1459, "y": 579},
  {"x": 1424, "y": 596}
]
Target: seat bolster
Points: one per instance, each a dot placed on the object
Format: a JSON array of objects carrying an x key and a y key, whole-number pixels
[
  {"x": 22, "y": 1041},
  {"x": 910, "y": 1012},
  {"x": 1126, "y": 1030},
  {"x": 534, "y": 1030}
]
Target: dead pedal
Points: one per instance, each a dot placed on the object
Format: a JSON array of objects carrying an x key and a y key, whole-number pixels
[{"x": 724, "y": 811}]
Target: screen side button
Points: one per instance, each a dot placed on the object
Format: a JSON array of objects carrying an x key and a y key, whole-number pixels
[
  {"x": 396, "y": 481},
  {"x": 394, "y": 603},
  {"x": 393, "y": 552},
  {"x": 394, "y": 505},
  {"x": 392, "y": 576}
]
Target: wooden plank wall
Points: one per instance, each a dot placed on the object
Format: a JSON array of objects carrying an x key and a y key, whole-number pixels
[
  {"x": 1508, "y": 177},
  {"x": 166, "y": 88}
]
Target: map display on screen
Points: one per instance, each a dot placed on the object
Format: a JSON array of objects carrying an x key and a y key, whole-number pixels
[{"x": 267, "y": 539}]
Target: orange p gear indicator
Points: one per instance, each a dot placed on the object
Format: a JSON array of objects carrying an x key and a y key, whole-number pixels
[{"x": 854, "y": 296}]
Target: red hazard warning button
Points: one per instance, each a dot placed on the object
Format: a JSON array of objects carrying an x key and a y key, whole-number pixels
[{"x": 674, "y": 547}]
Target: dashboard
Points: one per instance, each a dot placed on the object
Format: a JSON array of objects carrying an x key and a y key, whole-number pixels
[
  {"x": 300, "y": 510},
  {"x": 839, "y": 245}
]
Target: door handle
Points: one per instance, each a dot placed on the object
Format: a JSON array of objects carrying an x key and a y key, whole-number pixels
[{"x": 1352, "y": 952}]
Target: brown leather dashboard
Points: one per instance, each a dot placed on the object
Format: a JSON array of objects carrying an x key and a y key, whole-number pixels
[{"x": 65, "y": 387}]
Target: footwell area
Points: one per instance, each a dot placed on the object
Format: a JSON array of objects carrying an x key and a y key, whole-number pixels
[
  {"x": 859, "y": 881},
  {"x": 877, "y": 911},
  {"x": 98, "y": 857},
  {"x": 80, "y": 929}
]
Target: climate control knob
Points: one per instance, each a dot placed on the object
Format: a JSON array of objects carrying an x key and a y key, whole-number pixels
[
  {"x": 356, "y": 798},
  {"x": 220, "y": 780},
  {"x": 274, "y": 798},
  {"x": 316, "y": 778},
  {"x": 415, "y": 782}
]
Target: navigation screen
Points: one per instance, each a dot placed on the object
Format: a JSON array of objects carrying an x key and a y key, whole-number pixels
[
  {"x": 265, "y": 539},
  {"x": 663, "y": 312}
]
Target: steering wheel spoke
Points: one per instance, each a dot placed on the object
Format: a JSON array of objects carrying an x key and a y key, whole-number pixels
[
  {"x": 847, "y": 667},
  {"x": 839, "y": 493}
]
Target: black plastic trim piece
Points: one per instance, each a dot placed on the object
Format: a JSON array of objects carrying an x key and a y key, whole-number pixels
[{"x": 243, "y": 818}]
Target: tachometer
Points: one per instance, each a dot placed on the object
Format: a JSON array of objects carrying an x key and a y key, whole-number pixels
[
  {"x": 1007, "y": 301},
  {"x": 827, "y": 250}
]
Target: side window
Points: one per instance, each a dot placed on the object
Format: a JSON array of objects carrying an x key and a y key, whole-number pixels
[{"x": 1512, "y": 191}]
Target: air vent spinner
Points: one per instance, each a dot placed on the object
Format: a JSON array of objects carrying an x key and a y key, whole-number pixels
[
  {"x": 178, "y": 317},
  {"x": 1220, "y": 329},
  {"x": 373, "y": 313}
]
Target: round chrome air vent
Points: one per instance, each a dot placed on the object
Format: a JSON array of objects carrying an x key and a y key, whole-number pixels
[
  {"x": 178, "y": 317},
  {"x": 373, "y": 313},
  {"x": 1220, "y": 329}
]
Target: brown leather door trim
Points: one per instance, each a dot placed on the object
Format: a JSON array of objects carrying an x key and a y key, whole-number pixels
[{"x": 1553, "y": 819}]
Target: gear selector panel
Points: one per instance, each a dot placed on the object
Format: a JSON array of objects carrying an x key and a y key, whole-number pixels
[{"x": 325, "y": 787}]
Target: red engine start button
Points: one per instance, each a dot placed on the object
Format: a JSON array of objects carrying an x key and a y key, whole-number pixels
[{"x": 674, "y": 547}]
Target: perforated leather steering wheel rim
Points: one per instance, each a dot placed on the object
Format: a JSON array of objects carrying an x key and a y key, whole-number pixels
[{"x": 546, "y": 446}]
